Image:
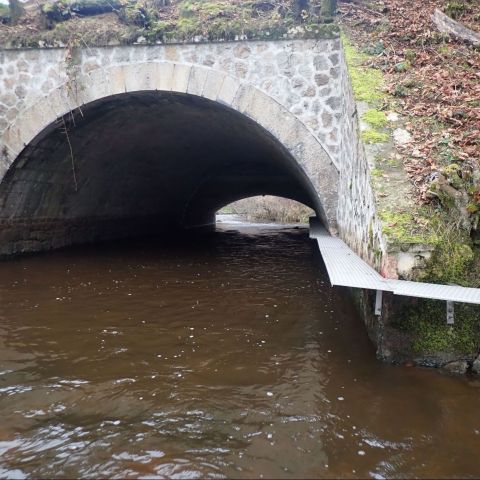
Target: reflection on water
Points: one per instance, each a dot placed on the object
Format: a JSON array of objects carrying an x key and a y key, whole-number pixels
[{"x": 221, "y": 356}]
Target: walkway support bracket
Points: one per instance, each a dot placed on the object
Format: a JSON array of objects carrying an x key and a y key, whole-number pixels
[
  {"x": 378, "y": 303},
  {"x": 345, "y": 268},
  {"x": 450, "y": 313}
]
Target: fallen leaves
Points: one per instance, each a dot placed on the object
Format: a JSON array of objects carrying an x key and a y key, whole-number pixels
[{"x": 434, "y": 80}]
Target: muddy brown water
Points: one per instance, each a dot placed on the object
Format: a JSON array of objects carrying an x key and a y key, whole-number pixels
[{"x": 226, "y": 355}]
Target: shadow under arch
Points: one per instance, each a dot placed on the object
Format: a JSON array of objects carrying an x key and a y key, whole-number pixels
[{"x": 156, "y": 156}]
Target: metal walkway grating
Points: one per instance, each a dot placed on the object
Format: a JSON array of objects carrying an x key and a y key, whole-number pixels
[{"x": 347, "y": 269}]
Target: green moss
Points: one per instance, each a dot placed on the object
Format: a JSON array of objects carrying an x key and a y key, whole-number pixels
[
  {"x": 405, "y": 228},
  {"x": 325, "y": 30},
  {"x": 375, "y": 118},
  {"x": 452, "y": 260},
  {"x": 455, "y": 9},
  {"x": 473, "y": 208},
  {"x": 402, "y": 66},
  {"x": 426, "y": 321},
  {"x": 400, "y": 91},
  {"x": 410, "y": 55},
  {"x": 393, "y": 162},
  {"x": 366, "y": 82},
  {"x": 372, "y": 136}
]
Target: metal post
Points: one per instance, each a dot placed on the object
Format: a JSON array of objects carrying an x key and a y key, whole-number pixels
[
  {"x": 450, "y": 313},
  {"x": 378, "y": 303}
]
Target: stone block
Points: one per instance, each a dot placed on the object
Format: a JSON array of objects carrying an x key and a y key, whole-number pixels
[
  {"x": 243, "y": 97},
  {"x": 228, "y": 91},
  {"x": 196, "y": 82},
  {"x": 476, "y": 366},
  {"x": 180, "y": 77},
  {"x": 12, "y": 141},
  {"x": 57, "y": 103},
  {"x": 91, "y": 87},
  {"x": 321, "y": 63},
  {"x": 139, "y": 77},
  {"x": 115, "y": 76},
  {"x": 213, "y": 84},
  {"x": 163, "y": 76},
  {"x": 459, "y": 367}
]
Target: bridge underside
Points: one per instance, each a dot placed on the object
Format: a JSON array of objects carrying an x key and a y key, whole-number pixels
[{"x": 140, "y": 163}]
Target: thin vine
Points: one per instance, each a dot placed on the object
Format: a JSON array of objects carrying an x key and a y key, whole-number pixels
[{"x": 72, "y": 158}]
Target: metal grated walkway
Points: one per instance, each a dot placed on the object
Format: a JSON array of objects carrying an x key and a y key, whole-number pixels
[{"x": 347, "y": 269}]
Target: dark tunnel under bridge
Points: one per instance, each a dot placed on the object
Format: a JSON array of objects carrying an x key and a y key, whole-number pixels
[{"x": 138, "y": 164}]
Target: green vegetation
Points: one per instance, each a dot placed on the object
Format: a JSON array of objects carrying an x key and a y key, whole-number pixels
[
  {"x": 375, "y": 118},
  {"x": 425, "y": 320},
  {"x": 450, "y": 262},
  {"x": 372, "y": 136},
  {"x": 366, "y": 82},
  {"x": 444, "y": 142},
  {"x": 454, "y": 257},
  {"x": 270, "y": 209},
  {"x": 403, "y": 228},
  {"x": 174, "y": 20},
  {"x": 221, "y": 19},
  {"x": 456, "y": 8},
  {"x": 453, "y": 262}
]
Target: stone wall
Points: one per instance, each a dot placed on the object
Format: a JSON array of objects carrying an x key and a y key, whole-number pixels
[
  {"x": 302, "y": 75},
  {"x": 298, "y": 90},
  {"x": 357, "y": 218},
  {"x": 290, "y": 88}
]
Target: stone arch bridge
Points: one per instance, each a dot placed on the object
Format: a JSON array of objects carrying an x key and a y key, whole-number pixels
[{"x": 107, "y": 142}]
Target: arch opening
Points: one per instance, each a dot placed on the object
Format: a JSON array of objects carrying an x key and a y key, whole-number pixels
[
  {"x": 140, "y": 163},
  {"x": 265, "y": 209}
]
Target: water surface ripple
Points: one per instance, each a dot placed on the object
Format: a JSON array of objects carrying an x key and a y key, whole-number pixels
[{"x": 226, "y": 355}]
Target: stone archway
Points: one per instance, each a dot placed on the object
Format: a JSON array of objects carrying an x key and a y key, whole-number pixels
[{"x": 187, "y": 79}]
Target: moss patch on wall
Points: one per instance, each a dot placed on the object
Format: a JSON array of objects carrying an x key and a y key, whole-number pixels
[
  {"x": 425, "y": 320},
  {"x": 375, "y": 118},
  {"x": 372, "y": 136},
  {"x": 402, "y": 228},
  {"x": 367, "y": 83}
]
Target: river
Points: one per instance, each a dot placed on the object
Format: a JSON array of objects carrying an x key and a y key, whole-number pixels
[{"x": 222, "y": 355}]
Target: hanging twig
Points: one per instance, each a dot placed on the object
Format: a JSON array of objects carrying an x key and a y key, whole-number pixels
[{"x": 71, "y": 154}]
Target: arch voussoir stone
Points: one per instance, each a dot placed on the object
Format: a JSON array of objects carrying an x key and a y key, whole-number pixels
[
  {"x": 197, "y": 80},
  {"x": 213, "y": 85},
  {"x": 228, "y": 91},
  {"x": 164, "y": 76},
  {"x": 180, "y": 77}
]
